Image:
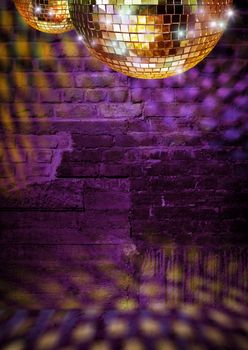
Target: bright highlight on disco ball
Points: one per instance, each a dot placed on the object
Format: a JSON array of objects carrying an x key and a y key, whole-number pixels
[
  {"x": 50, "y": 16},
  {"x": 150, "y": 39}
]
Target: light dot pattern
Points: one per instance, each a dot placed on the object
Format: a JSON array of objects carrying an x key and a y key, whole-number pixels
[
  {"x": 50, "y": 16},
  {"x": 150, "y": 38}
]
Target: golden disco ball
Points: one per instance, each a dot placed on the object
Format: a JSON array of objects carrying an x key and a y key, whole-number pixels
[
  {"x": 50, "y": 16},
  {"x": 150, "y": 38}
]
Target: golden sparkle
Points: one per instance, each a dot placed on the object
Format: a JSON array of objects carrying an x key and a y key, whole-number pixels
[
  {"x": 50, "y": 16},
  {"x": 150, "y": 38}
]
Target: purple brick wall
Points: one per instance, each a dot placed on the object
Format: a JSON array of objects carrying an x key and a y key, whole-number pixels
[{"x": 89, "y": 155}]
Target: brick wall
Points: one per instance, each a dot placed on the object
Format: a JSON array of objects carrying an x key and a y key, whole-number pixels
[{"x": 90, "y": 155}]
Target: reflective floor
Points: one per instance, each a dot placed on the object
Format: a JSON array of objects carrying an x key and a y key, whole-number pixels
[{"x": 128, "y": 297}]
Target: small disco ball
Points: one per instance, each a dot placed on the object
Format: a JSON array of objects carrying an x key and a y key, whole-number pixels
[
  {"x": 150, "y": 38},
  {"x": 50, "y": 16}
]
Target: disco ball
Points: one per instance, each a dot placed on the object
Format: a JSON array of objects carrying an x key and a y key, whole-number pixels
[
  {"x": 50, "y": 16},
  {"x": 150, "y": 38}
]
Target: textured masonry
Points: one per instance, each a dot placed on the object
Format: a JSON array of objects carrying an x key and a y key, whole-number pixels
[{"x": 89, "y": 155}]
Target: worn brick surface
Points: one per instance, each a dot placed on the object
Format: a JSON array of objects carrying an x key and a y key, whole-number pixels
[
  {"x": 52, "y": 196},
  {"x": 93, "y": 156}
]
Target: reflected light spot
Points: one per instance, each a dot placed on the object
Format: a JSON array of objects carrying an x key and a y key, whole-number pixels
[
  {"x": 203, "y": 296},
  {"x": 220, "y": 318},
  {"x": 101, "y": 345},
  {"x": 158, "y": 306},
  {"x": 38, "y": 9},
  {"x": 117, "y": 328},
  {"x": 150, "y": 289},
  {"x": 21, "y": 297},
  {"x": 126, "y": 305},
  {"x": 101, "y": 293},
  {"x": 191, "y": 310},
  {"x": 15, "y": 345},
  {"x": 70, "y": 303},
  {"x": 174, "y": 274},
  {"x": 235, "y": 306},
  {"x": 213, "y": 24},
  {"x": 83, "y": 332},
  {"x": 182, "y": 329},
  {"x": 51, "y": 13},
  {"x": 165, "y": 345},
  {"x": 81, "y": 278},
  {"x": 214, "y": 335},
  {"x": 133, "y": 344},
  {"x": 230, "y": 13},
  {"x": 150, "y": 327},
  {"x": 47, "y": 341}
]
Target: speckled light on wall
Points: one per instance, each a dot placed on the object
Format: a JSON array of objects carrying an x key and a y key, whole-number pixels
[
  {"x": 150, "y": 38},
  {"x": 50, "y": 16}
]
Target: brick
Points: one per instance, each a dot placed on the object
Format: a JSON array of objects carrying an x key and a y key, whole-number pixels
[
  {"x": 40, "y": 171},
  {"x": 45, "y": 80},
  {"x": 72, "y": 65},
  {"x": 7, "y": 141},
  {"x": 48, "y": 65},
  {"x": 85, "y": 155},
  {"x": 95, "y": 95},
  {"x": 62, "y": 237},
  {"x": 41, "y": 156},
  {"x": 140, "y": 95},
  {"x": 73, "y": 95},
  {"x": 136, "y": 140},
  {"x": 93, "y": 141},
  {"x": 64, "y": 140},
  {"x": 113, "y": 170},
  {"x": 51, "y": 196},
  {"x": 94, "y": 65},
  {"x": 171, "y": 110},
  {"x": 118, "y": 95},
  {"x": 163, "y": 95},
  {"x": 78, "y": 170},
  {"x": 15, "y": 156},
  {"x": 143, "y": 83},
  {"x": 50, "y": 95},
  {"x": 34, "y": 141},
  {"x": 34, "y": 110},
  {"x": 107, "y": 200},
  {"x": 68, "y": 49},
  {"x": 93, "y": 80},
  {"x": 162, "y": 183},
  {"x": 188, "y": 94},
  {"x": 118, "y": 185},
  {"x": 113, "y": 155},
  {"x": 113, "y": 110},
  {"x": 27, "y": 95},
  {"x": 74, "y": 110}
]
